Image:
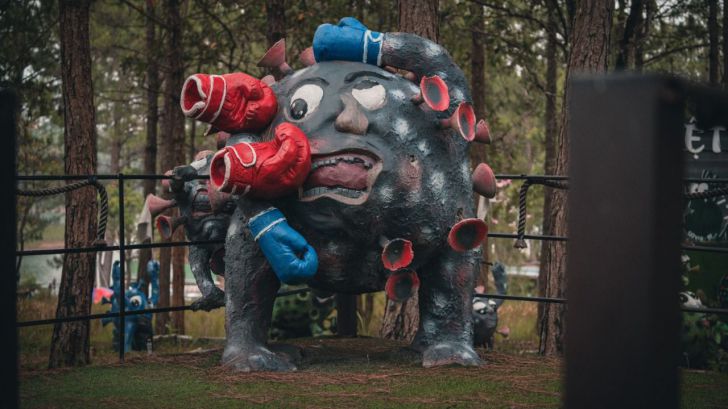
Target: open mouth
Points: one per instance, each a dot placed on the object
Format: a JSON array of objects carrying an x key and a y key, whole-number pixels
[{"x": 345, "y": 176}]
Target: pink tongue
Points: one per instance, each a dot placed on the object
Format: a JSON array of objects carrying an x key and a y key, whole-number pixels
[{"x": 348, "y": 175}]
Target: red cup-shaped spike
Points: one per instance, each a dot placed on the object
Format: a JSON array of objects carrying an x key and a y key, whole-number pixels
[
  {"x": 157, "y": 205},
  {"x": 275, "y": 57},
  {"x": 484, "y": 181},
  {"x": 402, "y": 284},
  {"x": 167, "y": 225},
  {"x": 467, "y": 234},
  {"x": 482, "y": 132},
  {"x": 462, "y": 120},
  {"x": 306, "y": 57},
  {"x": 397, "y": 254},
  {"x": 434, "y": 93}
]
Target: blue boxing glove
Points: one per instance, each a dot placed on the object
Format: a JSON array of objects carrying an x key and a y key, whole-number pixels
[
  {"x": 349, "y": 41},
  {"x": 293, "y": 260}
]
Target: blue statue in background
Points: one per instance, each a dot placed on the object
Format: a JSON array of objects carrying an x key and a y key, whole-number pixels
[{"x": 138, "y": 327}]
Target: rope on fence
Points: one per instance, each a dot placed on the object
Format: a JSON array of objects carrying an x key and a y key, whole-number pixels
[
  {"x": 103, "y": 211},
  {"x": 522, "y": 196}
]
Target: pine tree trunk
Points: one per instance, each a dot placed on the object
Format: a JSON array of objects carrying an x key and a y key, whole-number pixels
[
  {"x": 628, "y": 44},
  {"x": 276, "y": 19},
  {"x": 551, "y": 132},
  {"x": 713, "y": 64},
  {"x": 70, "y": 341},
  {"x": 173, "y": 138},
  {"x": 152, "y": 119},
  {"x": 401, "y": 319},
  {"x": 589, "y": 53}
]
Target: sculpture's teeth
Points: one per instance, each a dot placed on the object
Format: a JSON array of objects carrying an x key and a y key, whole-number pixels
[
  {"x": 402, "y": 284},
  {"x": 467, "y": 234},
  {"x": 397, "y": 254}
]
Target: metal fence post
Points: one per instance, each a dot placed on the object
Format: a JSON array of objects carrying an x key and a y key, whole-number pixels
[
  {"x": 122, "y": 270},
  {"x": 8, "y": 296},
  {"x": 623, "y": 268}
]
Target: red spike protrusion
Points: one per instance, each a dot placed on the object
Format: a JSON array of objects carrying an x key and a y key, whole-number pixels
[
  {"x": 484, "y": 182},
  {"x": 306, "y": 57},
  {"x": 157, "y": 205},
  {"x": 402, "y": 284},
  {"x": 434, "y": 93},
  {"x": 482, "y": 132},
  {"x": 397, "y": 254},
  {"x": 275, "y": 58},
  {"x": 165, "y": 182},
  {"x": 462, "y": 120},
  {"x": 167, "y": 225},
  {"x": 467, "y": 234}
]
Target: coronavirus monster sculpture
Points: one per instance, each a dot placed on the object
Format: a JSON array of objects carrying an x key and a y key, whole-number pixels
[
  {"x": 205, "y": 216},
  {"x": 350, "y": 175}
]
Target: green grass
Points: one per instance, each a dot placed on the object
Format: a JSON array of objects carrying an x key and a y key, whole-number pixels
[{"x": 363, "y": 372}]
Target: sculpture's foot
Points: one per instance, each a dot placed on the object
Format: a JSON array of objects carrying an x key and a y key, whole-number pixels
[
  {"x": 215, "y": 299},
  {"x": 448, "y": 353},
  {"x": 256, "y": 359}
]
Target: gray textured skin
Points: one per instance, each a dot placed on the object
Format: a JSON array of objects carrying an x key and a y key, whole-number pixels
[
  {"x": 201, "y": 225},
  {"x": 423, "y": 189}
]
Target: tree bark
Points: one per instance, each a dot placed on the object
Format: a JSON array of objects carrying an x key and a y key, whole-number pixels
[
  {"x": 70, "y": 341},
  {"x": 152, "y": 120},
  {"x": 713, "y": 64},
  {"x": 419, "y": 17},
  {"x": 589, "y": 54},
  {"x": 628, "y": 43},
  {"x": 173, "y": 137},
  {"x": 550, "y": 135},
  {"x": 401, "y": 319},
  {"x": 642, "y": 34},
  {"x": 276, "y": 18}
]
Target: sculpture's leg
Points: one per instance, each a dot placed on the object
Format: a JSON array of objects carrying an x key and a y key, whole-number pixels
[
  {"x": 212, "y": 297},
  {"x": 445, "y": 334},
  {"x": 250, "y": 288}
]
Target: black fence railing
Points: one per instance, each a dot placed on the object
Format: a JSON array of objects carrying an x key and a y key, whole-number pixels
[{"x": 123, "y": 246}]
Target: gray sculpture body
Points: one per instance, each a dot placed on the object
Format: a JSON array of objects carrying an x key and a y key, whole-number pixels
[{"x": 382, "y": 168}]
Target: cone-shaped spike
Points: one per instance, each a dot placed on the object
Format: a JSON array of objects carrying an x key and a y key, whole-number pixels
[
  {"x": 482, "y": 132},
  {"x": 275, "y": 58},
  {"x": 402, "y": 284},
  {"x": 268, "y": 80},
  {"x": 221, "y": 139},
  {"x": 306, "y": 57},
  {"x": 484, "y": 181},
  {"x": 397, "y": 254},
  {"x": 157, "y": 205},
  {"x": 433, "y": 92},
  {"x": 462, "y": 120},
  {"x": 167, "y": 225},
  {"x": 467, "y": 234}
]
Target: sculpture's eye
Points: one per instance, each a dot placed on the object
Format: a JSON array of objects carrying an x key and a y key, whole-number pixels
[
  {"x": 135, "y": 301},
  {"x": 369, "y": 94},
  {"x": 305, "y": 101}
]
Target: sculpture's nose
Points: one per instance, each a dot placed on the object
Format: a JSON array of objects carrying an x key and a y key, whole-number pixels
[{"x": 351, "y": 119}]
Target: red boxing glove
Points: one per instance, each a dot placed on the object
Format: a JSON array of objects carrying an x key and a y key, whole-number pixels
[
  {"x": 230, "y": 102},
  {"x": 264, "y": 170}
]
